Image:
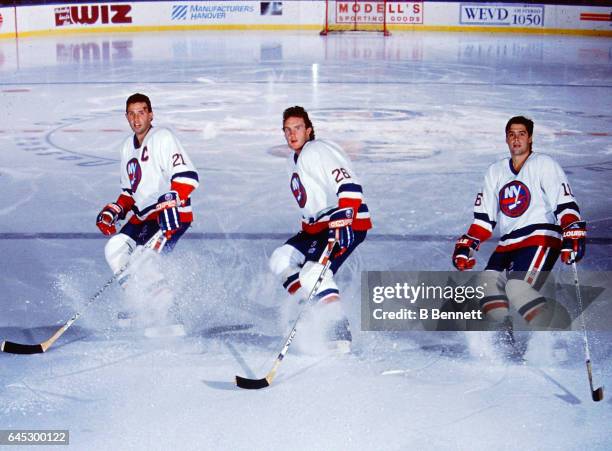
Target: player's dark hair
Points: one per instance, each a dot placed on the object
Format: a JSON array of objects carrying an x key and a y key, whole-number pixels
[
  {"x": 298, "y": 111},
  {"x": 138, "y": 98},
  {"x": 528, "y": 123}
]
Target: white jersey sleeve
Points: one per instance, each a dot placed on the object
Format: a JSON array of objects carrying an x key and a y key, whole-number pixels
[
  {"x": 558, "y": 192},
  {"x": 486, "y": 207}
]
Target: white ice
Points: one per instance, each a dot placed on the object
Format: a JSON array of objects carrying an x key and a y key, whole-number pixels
[{"x": 421, "y": 114}]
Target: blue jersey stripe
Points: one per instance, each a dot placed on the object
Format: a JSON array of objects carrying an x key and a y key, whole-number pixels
[
  {"x": 484, "y": 217},
  {"x": 569, "y": 205},
  {"x": 524, "y": 231},
  {"x": 187, "y": 174},
  {"x": 350, "y": 187}
]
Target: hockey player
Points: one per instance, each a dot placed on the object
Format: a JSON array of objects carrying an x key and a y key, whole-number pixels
[
  {"x": 529, "y": 196},
  {"x": 157, "y": 179},
  {"x": 328, "y": 193}
]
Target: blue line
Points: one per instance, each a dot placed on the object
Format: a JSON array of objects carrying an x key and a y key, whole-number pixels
[{"x": 247, "y": 236}]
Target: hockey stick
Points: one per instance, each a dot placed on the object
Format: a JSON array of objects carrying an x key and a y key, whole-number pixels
[
  {"x": 255, "y": 384},
  {"x": 596, "y": 394},
  {"x": 156, "y": 242}
]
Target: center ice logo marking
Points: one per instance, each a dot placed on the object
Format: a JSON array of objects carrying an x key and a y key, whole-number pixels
[
  {"x": 298, "y": 190},
  {"x": 514, "y": 199},
  {"x": 134, "y": 173}
]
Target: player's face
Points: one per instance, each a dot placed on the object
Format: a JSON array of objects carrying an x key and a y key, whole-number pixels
[
  {"x": 296, "y": 132},
  {"x": 139, "y": 117},
  {"x": 518, "y": 140}
]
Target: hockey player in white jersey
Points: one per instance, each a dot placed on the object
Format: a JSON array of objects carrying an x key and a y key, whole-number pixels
[
  {"x": 157, "y": 179},
  {"x": 529, "y": 197},
  {"x": 326, "y": 190}
]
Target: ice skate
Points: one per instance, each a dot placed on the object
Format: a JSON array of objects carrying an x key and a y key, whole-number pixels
[{"x": 339, "y": 337}]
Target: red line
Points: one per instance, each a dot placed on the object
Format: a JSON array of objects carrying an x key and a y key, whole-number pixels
[
  {"x": 15, "y": 90},
  {"x": 568, "y": 133},
  {"x": 538, "y": 262},
  {"x": 117, "y": 130},
  {"x": 596, "y": 17}
]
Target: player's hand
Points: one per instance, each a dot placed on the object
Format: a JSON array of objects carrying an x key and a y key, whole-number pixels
[
  {"x": 574, "y": 242},
  {"x": 108, "y": 217},
  {"x": 340, "y": 228},
  {"x": 463, "y": 256},
  {"x": 168, "y": 218}
]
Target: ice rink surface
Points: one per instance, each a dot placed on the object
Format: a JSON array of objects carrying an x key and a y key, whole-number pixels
[{"x": 421, "y": 114}]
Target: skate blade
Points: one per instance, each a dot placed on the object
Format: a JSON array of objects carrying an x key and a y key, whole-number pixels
[{"x": 174, "y": 330}]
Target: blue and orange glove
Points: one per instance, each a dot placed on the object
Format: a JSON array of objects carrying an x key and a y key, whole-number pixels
[
  {"x": 341, "y": 228},
  {"x": 168, "y": 218},
  {"x": 463, "y": 256}
]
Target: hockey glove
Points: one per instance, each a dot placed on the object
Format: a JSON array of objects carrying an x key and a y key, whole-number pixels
[
  {"x": 463, "y": 256},
  {"x": 574, "y": 242},
  {"x": 340, "y": 228},
  {"x": 108, "y": 217},
  {"x": 168, "y": 218}
]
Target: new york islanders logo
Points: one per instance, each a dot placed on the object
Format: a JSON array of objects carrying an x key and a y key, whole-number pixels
[
  {"x": 514, "y": 199},
  {"x": 298, "y": 190},
  {"x": 134, "y": 173}
]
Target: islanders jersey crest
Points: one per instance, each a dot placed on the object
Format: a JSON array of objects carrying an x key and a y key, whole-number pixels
[
  {"x": 298, "y": 190},
  {"x": 134, "y": 173},
  {"x": 514, "y": 199}
]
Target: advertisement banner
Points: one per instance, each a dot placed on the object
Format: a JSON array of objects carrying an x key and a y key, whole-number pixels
[
  {"x": 501, "y": 15},
  {"x": 93, "y": 15},
  {"x": 300, "y": 15},
  {"x": 373, "y": 12},
  {"x": 212, "y": 11}
]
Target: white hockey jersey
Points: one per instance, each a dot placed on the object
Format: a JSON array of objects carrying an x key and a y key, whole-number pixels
[
  {"x": 158, "y": 165},
  {"x": 322, "y": 179},
  {"x": 531, "y": 206}
]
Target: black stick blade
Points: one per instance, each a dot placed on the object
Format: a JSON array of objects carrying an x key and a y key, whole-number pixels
[
  {"x": 598, "y": 394},
  {"x": 17, "y": 348},
  {"x": 251, "y": 384}
]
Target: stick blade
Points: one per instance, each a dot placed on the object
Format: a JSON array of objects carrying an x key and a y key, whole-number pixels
[
  {"x": 251, "y": 384},
  {"x": 598, "y": 394},
  {"x": 17, "y": 348}
]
